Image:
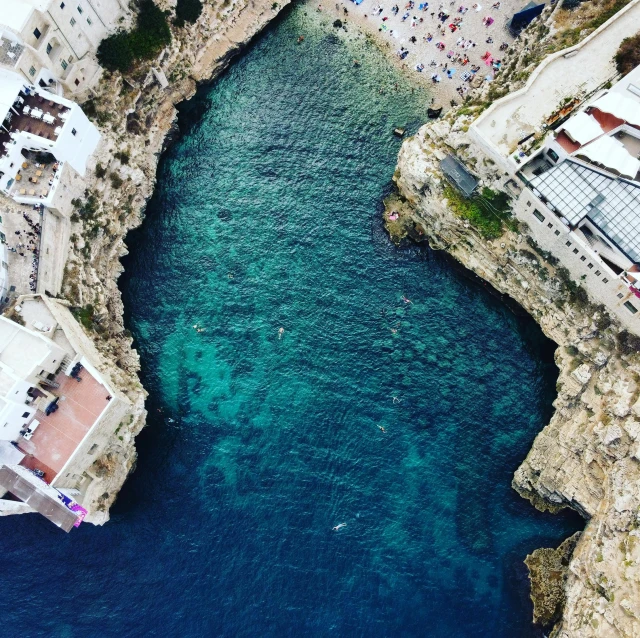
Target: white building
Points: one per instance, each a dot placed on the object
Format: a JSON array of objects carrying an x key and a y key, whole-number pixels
[
  {"x": 41, "y": 134},
  {"x": 52, "y": 43},
  {"x": 579, "y": 179},
  {"x": 58, "y": 410},
  {"x": 28, "y": 360}
]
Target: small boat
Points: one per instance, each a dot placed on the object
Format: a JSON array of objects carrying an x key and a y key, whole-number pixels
[
  {"x": 339, "y": 527},
  {"x": 399, "y": 132}
]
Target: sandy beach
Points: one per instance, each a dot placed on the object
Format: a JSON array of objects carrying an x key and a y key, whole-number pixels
[{"x": 417, "y": 37}]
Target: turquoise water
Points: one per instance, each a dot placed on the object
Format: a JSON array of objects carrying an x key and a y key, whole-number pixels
[{"x": 260, "y": 440}]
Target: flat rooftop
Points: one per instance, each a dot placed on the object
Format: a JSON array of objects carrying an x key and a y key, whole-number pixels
[
  {"x": 60, "y": 433},
  {"x": 612, "y": 204}
]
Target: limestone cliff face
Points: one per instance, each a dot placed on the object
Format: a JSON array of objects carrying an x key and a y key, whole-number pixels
[
  {"x": 135, "y": 115},
  {"x": 588, "y": 456}
]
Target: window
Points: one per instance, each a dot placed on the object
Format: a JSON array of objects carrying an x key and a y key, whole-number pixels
[
  {"x": 25, "y": 415},
  {"x": 590, "y": 266},
  {"x": 76, "y": 82},
  {"x": 73, "y": 131},
  {"x": 37, "y": 33},
  {"x": 63, "y": 64},
  {"x": 557, "y": 232},
  {"x": 49, "y": 48},
  {"x": 568, "y": 243},
  {"x": 630, "y": 307},
  {"x": 32, "y": 71},
  {"x": 598, "y": 273},
  {"x": 79, "y": 9},
  {"x": 538, "y": 215},
  {"x": 620, "y": 295},
  {"x": 550, "y": 225},
  {"x": 553, "y": 155},
  {"x": 528, "y": 203},
  {"x": 605, "y": 281},
  {"x": 89, "y": 21},
  {"x": 72, "y": 21},
  {"x": 62, "y": 5},
  {"x": 583, "y": 258},
  {"x": 575, "y": 251}
]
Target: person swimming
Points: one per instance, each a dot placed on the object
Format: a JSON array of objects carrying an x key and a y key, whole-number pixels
[
  {"x": 406, "y": 300},
  {"x": 381, "y": 428},
  {"x": 339, "y": 527},
  {"x": 280, "y": 333}
]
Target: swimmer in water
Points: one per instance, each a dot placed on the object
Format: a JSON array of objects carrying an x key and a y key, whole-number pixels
[
  {"x": 397, "y": 400},
  {"x": 381, "y": 428},
  {"x": 339, "y": 527},
  {"x": 280, "y": 333},
  {"x": 406, "y": 300}
]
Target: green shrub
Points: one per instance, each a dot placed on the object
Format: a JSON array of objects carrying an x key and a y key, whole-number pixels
[
  {"x": 628, "y": 56},
  {"x": 151, "y": 34},
  {"x": 187, "y": 11},
  {"x": 123, "y": 156},
  {"x": 489, "y": 213},
  {"x": 116, "y": 180},
  {"x": 115, "y": 52},
  {"x": 101, "y": 171},
  {"x": 627, "y": 342}
]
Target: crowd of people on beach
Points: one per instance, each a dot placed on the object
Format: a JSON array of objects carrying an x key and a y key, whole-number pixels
[{"x": 437, "y": 27}]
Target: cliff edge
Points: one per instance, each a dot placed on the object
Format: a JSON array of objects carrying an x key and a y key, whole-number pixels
[{"x": 588, "y": 456}]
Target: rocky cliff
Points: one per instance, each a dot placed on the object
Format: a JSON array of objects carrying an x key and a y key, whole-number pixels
[
  {"x": 135, "y": 115},
  {"x": 588, "y": 456}
]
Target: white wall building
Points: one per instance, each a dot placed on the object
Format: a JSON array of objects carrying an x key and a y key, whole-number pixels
[
  {"x": 581, "y": 193},
  {"x": 52, "y": 43},
  {"x": 27, "y": 359},
  {"x": 36, "y": 121}
]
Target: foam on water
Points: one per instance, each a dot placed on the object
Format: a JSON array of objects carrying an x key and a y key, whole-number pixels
[{"x": 267, "y": 216}]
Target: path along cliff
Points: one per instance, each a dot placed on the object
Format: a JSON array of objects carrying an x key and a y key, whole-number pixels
[
  {"x": 588, "y": 456},
  {"x": 135, "y": 115}
]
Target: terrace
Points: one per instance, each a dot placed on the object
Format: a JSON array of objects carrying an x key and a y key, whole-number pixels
[
  {"x": 36, "y": 115},
  {"x": 35, "y": 178},
  {"x": 10, "y": 52},
  {"x": 60, "y": 433}
]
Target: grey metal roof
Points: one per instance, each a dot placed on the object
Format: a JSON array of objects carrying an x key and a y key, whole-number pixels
[
  {"x": 612, "y": 204},
  {"x": 456, "y": 172},
  {"x": 37, "y": 494}
]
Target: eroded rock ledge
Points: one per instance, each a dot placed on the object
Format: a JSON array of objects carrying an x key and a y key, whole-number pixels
[{"x": 588, "y": 456}]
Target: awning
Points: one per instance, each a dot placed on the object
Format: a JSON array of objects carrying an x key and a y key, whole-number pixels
[
  {"x": 582, "y": 128},
  {"x": 625, "y": 108},
  {"x": 610, "y": 152}
]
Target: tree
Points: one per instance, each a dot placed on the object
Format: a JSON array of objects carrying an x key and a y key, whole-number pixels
[
  {"x": 115, "y": 53},
  {"x": 187, "y": 11},
  {"x": 151, "y": 34},
  {"x": 628, "y": 56}
]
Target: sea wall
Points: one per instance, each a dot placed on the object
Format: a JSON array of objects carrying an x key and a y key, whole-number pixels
[{"x": 588, "y": 456}]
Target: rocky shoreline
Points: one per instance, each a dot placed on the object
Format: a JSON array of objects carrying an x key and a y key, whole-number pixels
[
  {"x": 137, "y": 118},
  {"x": 587, "y": 457}
]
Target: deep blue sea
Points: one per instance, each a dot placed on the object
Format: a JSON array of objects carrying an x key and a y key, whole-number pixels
[{"x": 267, "y": 305}]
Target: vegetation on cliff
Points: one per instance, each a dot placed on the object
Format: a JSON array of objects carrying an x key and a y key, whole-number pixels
[
  {"x": 187, "y": 11},
  {"x": 628, "y": 55},
  {"x": 489, "y": 212},
  {"x": 119, "y": 51}
]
